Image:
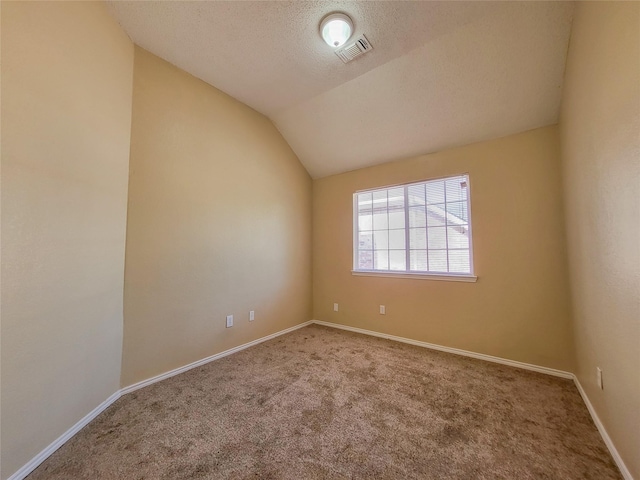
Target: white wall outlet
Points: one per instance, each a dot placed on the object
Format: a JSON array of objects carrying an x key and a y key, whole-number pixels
[
  {"x": 252, "y": 316},
  {"x": 229, "y": 321},
  {"x": 599, "y": 377},
  {"x": 335, "y": 307},
  {"x": 383, "y": 310}
]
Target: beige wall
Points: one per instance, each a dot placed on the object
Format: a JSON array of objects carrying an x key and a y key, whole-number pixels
[
  {"x": 66, "y": 108},
  {"x": 600, "y": 133},
  {"x": 219, "y": 223},
  {"x": 518, "y": 309}
]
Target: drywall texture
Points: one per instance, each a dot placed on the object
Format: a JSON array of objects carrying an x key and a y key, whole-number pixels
[
  {"x": 600, "y": 133},
  {"x": 67, "y": 72},
  {"x": 519, "y": 307},
  {"x": 441, "y": 74},
  {"x": 219, "y": 223}
]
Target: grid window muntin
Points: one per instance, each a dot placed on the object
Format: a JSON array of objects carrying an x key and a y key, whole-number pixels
[{"x": 431, "y": 217}]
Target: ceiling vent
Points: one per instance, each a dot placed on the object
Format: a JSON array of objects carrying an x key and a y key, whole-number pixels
[{"x": 355, "y": 49}]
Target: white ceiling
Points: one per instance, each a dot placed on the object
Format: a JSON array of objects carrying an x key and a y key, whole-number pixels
[{"x": 441, "y": 74}]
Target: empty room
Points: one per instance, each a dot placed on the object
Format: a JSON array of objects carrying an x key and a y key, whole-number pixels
[{"x": 320, "y": 240}]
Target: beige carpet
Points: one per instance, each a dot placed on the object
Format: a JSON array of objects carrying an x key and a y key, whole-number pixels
[{"x": 324, "y": 403}]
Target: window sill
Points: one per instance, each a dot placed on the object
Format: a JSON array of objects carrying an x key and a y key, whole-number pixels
[{"x": 447, "y": 277}]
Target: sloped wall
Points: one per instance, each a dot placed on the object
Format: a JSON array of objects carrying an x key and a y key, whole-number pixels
[{"x": 219, "y": 223}]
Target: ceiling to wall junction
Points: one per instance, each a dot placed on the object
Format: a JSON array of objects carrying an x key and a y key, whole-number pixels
[{"x": 441, "y": 74}]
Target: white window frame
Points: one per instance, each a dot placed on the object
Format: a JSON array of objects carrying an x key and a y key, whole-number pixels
[{"x": 457, "y": 277}]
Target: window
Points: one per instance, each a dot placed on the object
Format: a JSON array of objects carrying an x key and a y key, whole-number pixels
[{"x": 418, "y": 228}]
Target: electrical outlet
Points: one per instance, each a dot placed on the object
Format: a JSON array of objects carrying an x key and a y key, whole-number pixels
[
  {"x": 599, "y": 377},
  {"x": 229, "y": 321},
  {"x": 335, "y": 307},
  {"x": 252, "y": 316},
  {"x": 383, "y": 310}
]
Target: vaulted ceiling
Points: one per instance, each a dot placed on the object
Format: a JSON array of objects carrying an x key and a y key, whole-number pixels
[{"x": 441, "y": 74}]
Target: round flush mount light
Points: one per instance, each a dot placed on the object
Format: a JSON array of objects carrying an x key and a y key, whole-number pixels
[{"x": 336, "y": 29}]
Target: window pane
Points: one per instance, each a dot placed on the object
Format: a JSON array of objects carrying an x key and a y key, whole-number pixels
[
  {"x": 381, "y": 240},
  {"x": 436, "y": 215},
  {"x": 437, "y": 237},
  {"x": 396, "y": 219},
  {"x": 417, "y": 217},
  {"x": 459, "y": 261},
  {"x": 435, "y": 192},
  {"x": 396, "y": 198},
  {"x": 456, "y": 189},
  {"x": 428, "y": 220},
  {"x": 364, "y": 202},
  {"x": 380, "y": 221},
  {"x": 365, "y": 241},
  {"x": 458, "y": 213},
  {"x": 397, "y": 239},
  {"x": 397, "y": 259},
  {"x": 365, "y": 259},
  {"x": 457, "y": 237},
  {"x": 417, "y": 238},
  {"x": 379, "y": 199},
  {"x": 416, "y": 194},
  {"x": 365, "y": 222},
  {"x": 381, "y": 260},
  {"x": 437, "y": 260},
  {"x": 418, "y": 259}
]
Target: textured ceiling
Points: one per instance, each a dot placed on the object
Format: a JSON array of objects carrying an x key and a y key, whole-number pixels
[{"x": 441, "y": 73}]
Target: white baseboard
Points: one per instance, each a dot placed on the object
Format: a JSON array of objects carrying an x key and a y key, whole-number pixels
[
  {"x": 44, "y": 454},
  {"x": 456, "y": 351},
  {"x": 204, "y": 361},
  {"x": 489, "y": 358},
  {"x": 603, "y": 432},
  {"x": 61, "y": 440}
]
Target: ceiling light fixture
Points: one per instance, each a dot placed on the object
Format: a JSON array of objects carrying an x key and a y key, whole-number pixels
[{"x": 336, "y": 29}]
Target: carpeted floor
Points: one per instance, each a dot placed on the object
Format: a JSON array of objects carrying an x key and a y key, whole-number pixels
[{"x": 323, "y": 403}]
